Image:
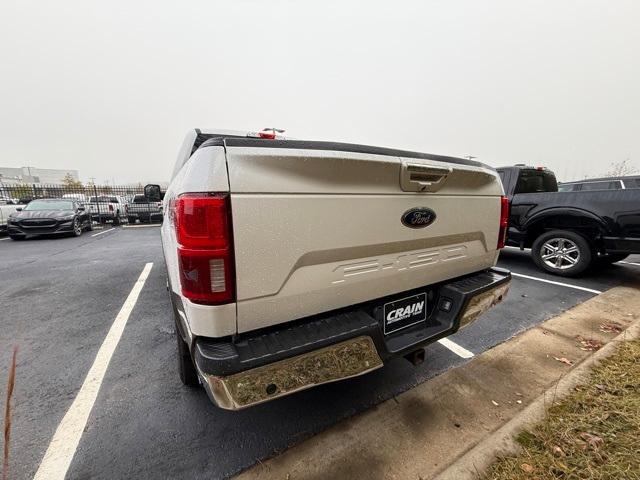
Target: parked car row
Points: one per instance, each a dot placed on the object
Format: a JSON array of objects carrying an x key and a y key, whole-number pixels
[
  {"x": 73, "y": 213},
  {"x": 115, "y": 208}
]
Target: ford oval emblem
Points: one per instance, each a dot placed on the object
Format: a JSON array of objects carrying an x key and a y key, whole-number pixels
[{"x": 419, "y": 217}]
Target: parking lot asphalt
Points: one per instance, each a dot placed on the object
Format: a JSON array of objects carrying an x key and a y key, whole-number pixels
[{"x": 60, "y": 297}]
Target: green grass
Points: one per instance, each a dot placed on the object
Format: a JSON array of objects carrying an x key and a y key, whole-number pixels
[{"x": 593, "y": 433}]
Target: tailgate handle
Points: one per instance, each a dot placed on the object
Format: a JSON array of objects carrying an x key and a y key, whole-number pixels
[{"x": 417, "y": 177}]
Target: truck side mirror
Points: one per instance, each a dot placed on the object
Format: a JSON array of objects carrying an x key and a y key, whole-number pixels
[{"x": 152, "y": 193}]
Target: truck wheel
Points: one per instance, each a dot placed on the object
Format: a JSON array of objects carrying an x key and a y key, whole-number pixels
[
  {"x": 187, "y": 371},
  {"x": 131, "y": 220},
  {"x": 562, "y": 252},
  {"x": 116, "y": 220}
]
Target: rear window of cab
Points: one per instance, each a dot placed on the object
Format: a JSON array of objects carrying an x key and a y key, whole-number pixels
[{"x": 536, "y": 181}]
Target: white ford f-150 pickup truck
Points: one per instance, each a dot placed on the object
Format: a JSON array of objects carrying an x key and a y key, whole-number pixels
[
  {"x": 296, "y": 263},
  {"x": 105, "y": 208}
]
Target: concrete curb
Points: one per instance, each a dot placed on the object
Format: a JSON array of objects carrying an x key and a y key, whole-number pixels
[{"x": 501, "y": 442}]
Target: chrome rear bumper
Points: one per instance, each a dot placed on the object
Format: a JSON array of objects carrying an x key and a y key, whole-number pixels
[
  {"x": 340, "y": 346},
  {"x": 337, "y": 362}
]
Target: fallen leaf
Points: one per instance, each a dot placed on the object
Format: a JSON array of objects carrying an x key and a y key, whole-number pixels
[
  {"x": 518, "y": 402},
  {"x": 564, "y": 360},
  {"x": 494, "y": 403},
  {"x": 557, "y": 451},
  {"x": 591, "y": 440},
  {"x": 610, "y": 327},
  {"x": 526, "y": 468},
  {"x": 590, "y": 344},
  {"x": 518, "y": 394}
]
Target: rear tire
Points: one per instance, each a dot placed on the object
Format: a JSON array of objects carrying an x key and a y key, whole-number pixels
[
  {"x": 116, "y": 220},
  {"x": 562, "y": 252},
  {"x": 131, "y": 220},
  {"x": 186, "y": 369}
]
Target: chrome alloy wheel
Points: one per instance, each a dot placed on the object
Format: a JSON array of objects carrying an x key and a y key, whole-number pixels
[
  {"x": 560, "y": 253},
  {"x": 77, "y": 227}
]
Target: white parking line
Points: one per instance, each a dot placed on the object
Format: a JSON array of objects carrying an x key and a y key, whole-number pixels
[
  {"x": 455, "y": 348},
  {"x": 151, "y": 225},
  {"x": 568, "y": 285},
  {"x": 1, "y": 239},
  {"x": 629, "y": 263},
  {"x": 104, "y": 231},
  {"x": 65, "y": 441}
]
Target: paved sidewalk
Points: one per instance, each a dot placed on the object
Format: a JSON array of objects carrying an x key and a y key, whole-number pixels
[{"x": 423, "y": 431}]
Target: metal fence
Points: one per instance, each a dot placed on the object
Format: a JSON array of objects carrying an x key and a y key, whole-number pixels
[{"x": 107, "y": 203}]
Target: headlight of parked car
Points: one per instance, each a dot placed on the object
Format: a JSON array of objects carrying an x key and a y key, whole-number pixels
[{"x": 68, "y": 218}]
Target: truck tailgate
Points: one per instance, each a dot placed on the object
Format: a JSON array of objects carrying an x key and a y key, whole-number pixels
[{"x": 317, "y": 230}]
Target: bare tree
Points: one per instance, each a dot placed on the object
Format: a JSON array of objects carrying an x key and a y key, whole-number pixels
[
  {"x": 71, "y": 183},
  {"x": 620, "y": 169}
]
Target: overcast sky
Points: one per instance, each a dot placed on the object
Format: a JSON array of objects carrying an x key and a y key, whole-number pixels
[{"x": 110, "y": 88}]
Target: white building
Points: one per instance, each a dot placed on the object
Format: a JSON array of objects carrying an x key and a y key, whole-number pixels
[{"x": 30, "y": 175}]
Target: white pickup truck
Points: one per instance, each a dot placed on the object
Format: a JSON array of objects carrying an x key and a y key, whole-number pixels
[
  {"x": 105, "y": 208},
  {"x": 6, "y": 209},
  {"x": 142, "y": 209},
  {"x": 296, "y": 263}
]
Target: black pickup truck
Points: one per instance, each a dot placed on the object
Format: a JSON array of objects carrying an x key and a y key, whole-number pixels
[{"x": 569, "y": 231}]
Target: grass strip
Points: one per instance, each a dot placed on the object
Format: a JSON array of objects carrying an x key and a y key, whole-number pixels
[{"x": 593, "y": 433}]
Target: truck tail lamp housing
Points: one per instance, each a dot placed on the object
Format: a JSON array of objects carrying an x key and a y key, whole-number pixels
[
  {"x": 205, "y": 247},
  {"x": 504, "y": 222}
]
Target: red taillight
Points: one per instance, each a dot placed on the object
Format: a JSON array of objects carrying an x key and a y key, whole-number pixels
[
  {"x": 267, "y": 135},
  {"x": 504, "y": 221},
  {"x": 110, "y": 208},
  {"x": 205, "y": 247}
]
